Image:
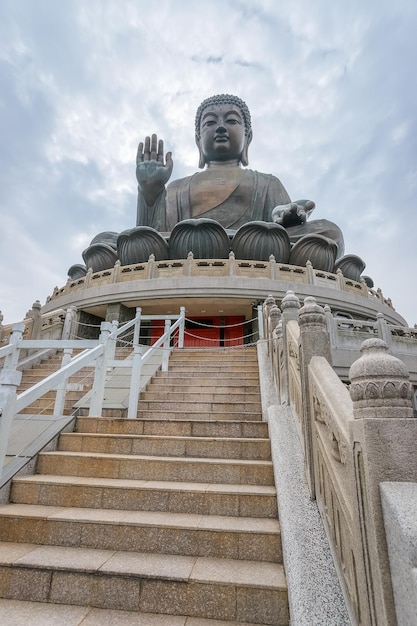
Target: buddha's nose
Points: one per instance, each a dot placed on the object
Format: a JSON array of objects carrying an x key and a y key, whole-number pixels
[{"x": 220, "y": 129}]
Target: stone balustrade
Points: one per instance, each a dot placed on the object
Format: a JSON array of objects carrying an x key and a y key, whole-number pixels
[
  {"x": 355, "y": 435},
  {"x": 219, "y": 267}
]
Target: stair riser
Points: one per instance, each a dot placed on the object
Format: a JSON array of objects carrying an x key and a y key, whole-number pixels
[
  {"x": 136, "y": 468},
  {"x": 215, "y": 373},
  {"x": 203, "y": 502},
  {"x": 158, "y": 446},
  {"x": 175, "y": 428},
  {"x": 160, "y": 540},
  {"x": 172, "y": 597}
]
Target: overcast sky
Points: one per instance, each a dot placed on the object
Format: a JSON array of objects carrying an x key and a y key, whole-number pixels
[{"x": 331, "y": 85}]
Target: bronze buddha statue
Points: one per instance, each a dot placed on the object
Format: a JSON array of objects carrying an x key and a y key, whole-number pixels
[{"x": 224, "y": 207}]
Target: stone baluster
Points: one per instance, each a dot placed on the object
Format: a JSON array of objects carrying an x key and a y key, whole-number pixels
[
  {"x": 266, "y": 307},
  {"x": 331, "y": 326},
  {"x": 232, "y": 263},
  {"x": 314, "y": 341},
  {"x": 311, "y": 276},
  {"x": 290, "y": 306},
  {"x": 70, "y": 318},
  {"x": 383, "y": 330},
  {"x": 272, "y": 267},
  {"x": 35, "y": 314}
]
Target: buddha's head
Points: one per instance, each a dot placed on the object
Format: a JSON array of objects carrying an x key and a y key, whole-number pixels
[{"x": 223, "y": 130}]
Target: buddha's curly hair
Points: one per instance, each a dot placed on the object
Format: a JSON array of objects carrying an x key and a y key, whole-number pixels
[{"x": 224, "y": 98}]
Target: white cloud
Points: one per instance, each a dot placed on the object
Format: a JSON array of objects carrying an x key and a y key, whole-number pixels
[{"x": 330, "y": 87}]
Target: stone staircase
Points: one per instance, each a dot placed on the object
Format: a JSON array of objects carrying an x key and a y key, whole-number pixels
[{"x": 166, "y": 520}]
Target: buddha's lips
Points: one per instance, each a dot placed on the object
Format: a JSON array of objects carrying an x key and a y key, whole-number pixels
[{"x": 221, "y": 138}]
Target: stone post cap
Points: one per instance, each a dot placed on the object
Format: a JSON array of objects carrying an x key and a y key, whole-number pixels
[
  {"x": 290, "y": 301},
  {"x": 380, "y": 384},
  {"x": 312, "y": 315},
  {"x": 274, "y": 316}
]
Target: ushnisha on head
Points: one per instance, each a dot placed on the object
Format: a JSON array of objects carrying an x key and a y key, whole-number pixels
[{"x": 224, "y": 111}]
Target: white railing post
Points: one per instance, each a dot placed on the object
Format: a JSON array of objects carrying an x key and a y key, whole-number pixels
[
  {"x": 166, "y": 349},
  {"x": 62, "y": 388},
  {"x": 9, "y": 381},
  {"x": 181, "y": 329},
  {"x": 136, "y": 332},
  {"x": 97, "y": 393},
  {"x": 135, "y": 383},
  {"x": 134, "y": 392},
  {"x": 112, "y": 344},
  {"x": 261, "y": 332}
]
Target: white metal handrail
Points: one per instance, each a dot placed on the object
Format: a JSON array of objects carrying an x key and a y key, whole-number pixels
[{"x": 100, "y": 352}]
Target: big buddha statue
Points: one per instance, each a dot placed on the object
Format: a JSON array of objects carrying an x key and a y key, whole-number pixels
[{"x": 224, "y": 207}]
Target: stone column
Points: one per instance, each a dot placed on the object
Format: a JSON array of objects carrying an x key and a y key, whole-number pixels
[
  {"x": 314, "y": 341},
  {"x": 384, "y": 435}
]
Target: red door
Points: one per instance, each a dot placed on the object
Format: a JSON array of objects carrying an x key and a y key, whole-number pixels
[{"x": 208, "y": 332}]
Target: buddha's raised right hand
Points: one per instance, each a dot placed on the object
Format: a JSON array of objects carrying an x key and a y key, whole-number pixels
[{"x": 152, "y": 172}]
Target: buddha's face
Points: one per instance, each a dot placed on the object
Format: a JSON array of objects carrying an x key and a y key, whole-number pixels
[{"x": 222, "y": 133}]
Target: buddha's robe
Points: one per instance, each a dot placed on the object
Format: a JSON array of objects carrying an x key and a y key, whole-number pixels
[
  {"x": 251, "y": 199},
  {"x": 232, "y": 199}
]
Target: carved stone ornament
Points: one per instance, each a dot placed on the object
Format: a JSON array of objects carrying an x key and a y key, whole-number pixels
[
  {"x": 205, "y": 238},
  {"x": 257, "y": 241},
  {"x": 351, "y": 265},
  {"x": 311, "y": 316},
  {"x": 318, "y": 249},
  {"x": 101, "y": 253},
  {"x": 137, "y": 244},
  {"x": 100, "y": 256},
  {"x": 77, "y": 271},
  {"x": 380, "y": 384}
]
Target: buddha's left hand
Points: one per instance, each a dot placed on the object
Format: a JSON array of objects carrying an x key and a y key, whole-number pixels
[{"x": 292, "y": 214}]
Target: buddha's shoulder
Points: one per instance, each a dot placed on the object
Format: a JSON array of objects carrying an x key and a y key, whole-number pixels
[{"x": 179, "y": 183}]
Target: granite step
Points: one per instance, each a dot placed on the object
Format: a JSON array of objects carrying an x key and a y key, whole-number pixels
[
  {"x": 198, "y": 416},
  {"x": 207, "y": 385},
  {"x": 225, "y": 589},
  {"x": 19, "y": 613},
  {"x": 186, "y": 427},
  {"x": 215, "y": 367},
  {"x": 154, "y": 445},
  {"x": 164, "y": 532},
  {"x": 146, "y": 495},
  {"x": 140, "y": 467},
  {"x": 204, "y": 407},
  {"x": 228, "y": 396},
  {"x": 168, "y": 380}
]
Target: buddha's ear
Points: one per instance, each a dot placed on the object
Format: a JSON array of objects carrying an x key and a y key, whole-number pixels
[
  {"x": 201, "y": 159},
  {"x": 244, "y": 159}
]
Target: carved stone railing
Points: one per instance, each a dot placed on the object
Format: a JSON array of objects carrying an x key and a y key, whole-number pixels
[
  {"x": 219, "y": 267},
  {"x": 355, "y": 435},
  {"x": 38, "y": 325}
]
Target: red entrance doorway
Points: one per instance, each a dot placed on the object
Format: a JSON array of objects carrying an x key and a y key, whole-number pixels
[{"x": 208, "y": 332}]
